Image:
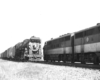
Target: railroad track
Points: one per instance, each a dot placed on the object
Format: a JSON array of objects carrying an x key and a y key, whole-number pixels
[{"x": 76, "y": 64}]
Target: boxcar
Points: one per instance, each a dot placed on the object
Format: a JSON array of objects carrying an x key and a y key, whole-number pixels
[
  {"x": 4, "y": 54},
  {"x": 18, "y": 51},
  {"x": 9, "y": 53}
]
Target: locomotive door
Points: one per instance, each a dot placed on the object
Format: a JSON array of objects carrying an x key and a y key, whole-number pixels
[
  {"x": 72, "y": 45},
  {"x": 82, "y": 49}
]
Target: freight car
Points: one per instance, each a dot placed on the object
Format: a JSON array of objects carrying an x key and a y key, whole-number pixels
[
  {"x": 11, "y": 53},
  {"x": 26, "y": 50},
  {"x": 19, "y": 51},
  {"x": 82, "y": 46},
  {"x": 4, "y": 55}
]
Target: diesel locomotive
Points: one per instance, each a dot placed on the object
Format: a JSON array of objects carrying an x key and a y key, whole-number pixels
[
  {"x": 81, "y": 46},
  {"x": 29, "y": 49},
  {"x": 34, "y": 49}
]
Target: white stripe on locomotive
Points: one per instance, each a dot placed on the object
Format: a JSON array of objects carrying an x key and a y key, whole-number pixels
[
  {"x": 36, "y": 45},
  {"x": 92, "y": 47},
  {"x": 67, "y": 50}
]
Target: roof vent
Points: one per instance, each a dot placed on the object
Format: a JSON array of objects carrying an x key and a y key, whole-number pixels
[
  {"x": 51, "y": 38},
  {"x": 98, "y": 23}
]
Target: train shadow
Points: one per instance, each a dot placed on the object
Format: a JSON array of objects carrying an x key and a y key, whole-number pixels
[
  {"x": 69, "y": 64},
  {"x": 13, "y": 60},
  {"x": 17, "y": 60}
]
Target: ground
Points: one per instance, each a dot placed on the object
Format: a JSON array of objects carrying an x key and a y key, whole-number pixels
[{"x": 35, "y": 71}]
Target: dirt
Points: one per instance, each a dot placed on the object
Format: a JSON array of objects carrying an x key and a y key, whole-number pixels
[{"x": 35, "y": 71}]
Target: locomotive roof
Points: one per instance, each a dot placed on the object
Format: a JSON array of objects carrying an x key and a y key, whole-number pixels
[
  {"x": 18, "y": 45},
  {"x": 35, "y": 38},
  {"x": 62, "y": 36},
  {"x": 98, "y": 25},
  {"x": 69, "y": 34},
  {"x": 25, "y": 42}
]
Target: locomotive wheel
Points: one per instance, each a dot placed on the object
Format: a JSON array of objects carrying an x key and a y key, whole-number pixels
[
  {"x": 51, "y": 60},
  {"x": 72, "y": 61},
  {"x": 83, "y": 62},
  {"x": 59, "y": 58},
  {"x": 72, "y": 58},
  {"x": 47, "y": 60},
  {"x": 83, "y": 59},
  {"x": 96, "y": 60},
  {"x": 26, "y": 58},
  {"x": 64, "y": 58}
]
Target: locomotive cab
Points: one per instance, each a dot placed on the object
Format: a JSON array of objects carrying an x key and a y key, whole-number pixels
[{"x": 34, "y": 48}]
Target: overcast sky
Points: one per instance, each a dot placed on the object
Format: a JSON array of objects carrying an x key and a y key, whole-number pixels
[{"x": 21, "y": 19}]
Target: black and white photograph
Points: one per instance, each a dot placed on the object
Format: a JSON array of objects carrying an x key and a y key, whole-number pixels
[{"x": 49, "y": 40}]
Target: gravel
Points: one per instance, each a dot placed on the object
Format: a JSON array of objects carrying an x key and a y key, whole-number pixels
[{"x": 35, "y": 71}]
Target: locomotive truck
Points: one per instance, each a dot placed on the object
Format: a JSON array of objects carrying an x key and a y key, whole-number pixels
[{"x": 81, "y": 46}]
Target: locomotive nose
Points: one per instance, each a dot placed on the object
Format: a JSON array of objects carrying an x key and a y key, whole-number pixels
[{"x": 34, "y": 46}]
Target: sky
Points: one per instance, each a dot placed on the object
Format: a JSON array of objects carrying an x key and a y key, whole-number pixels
[{"x": 21, "y": 19}]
